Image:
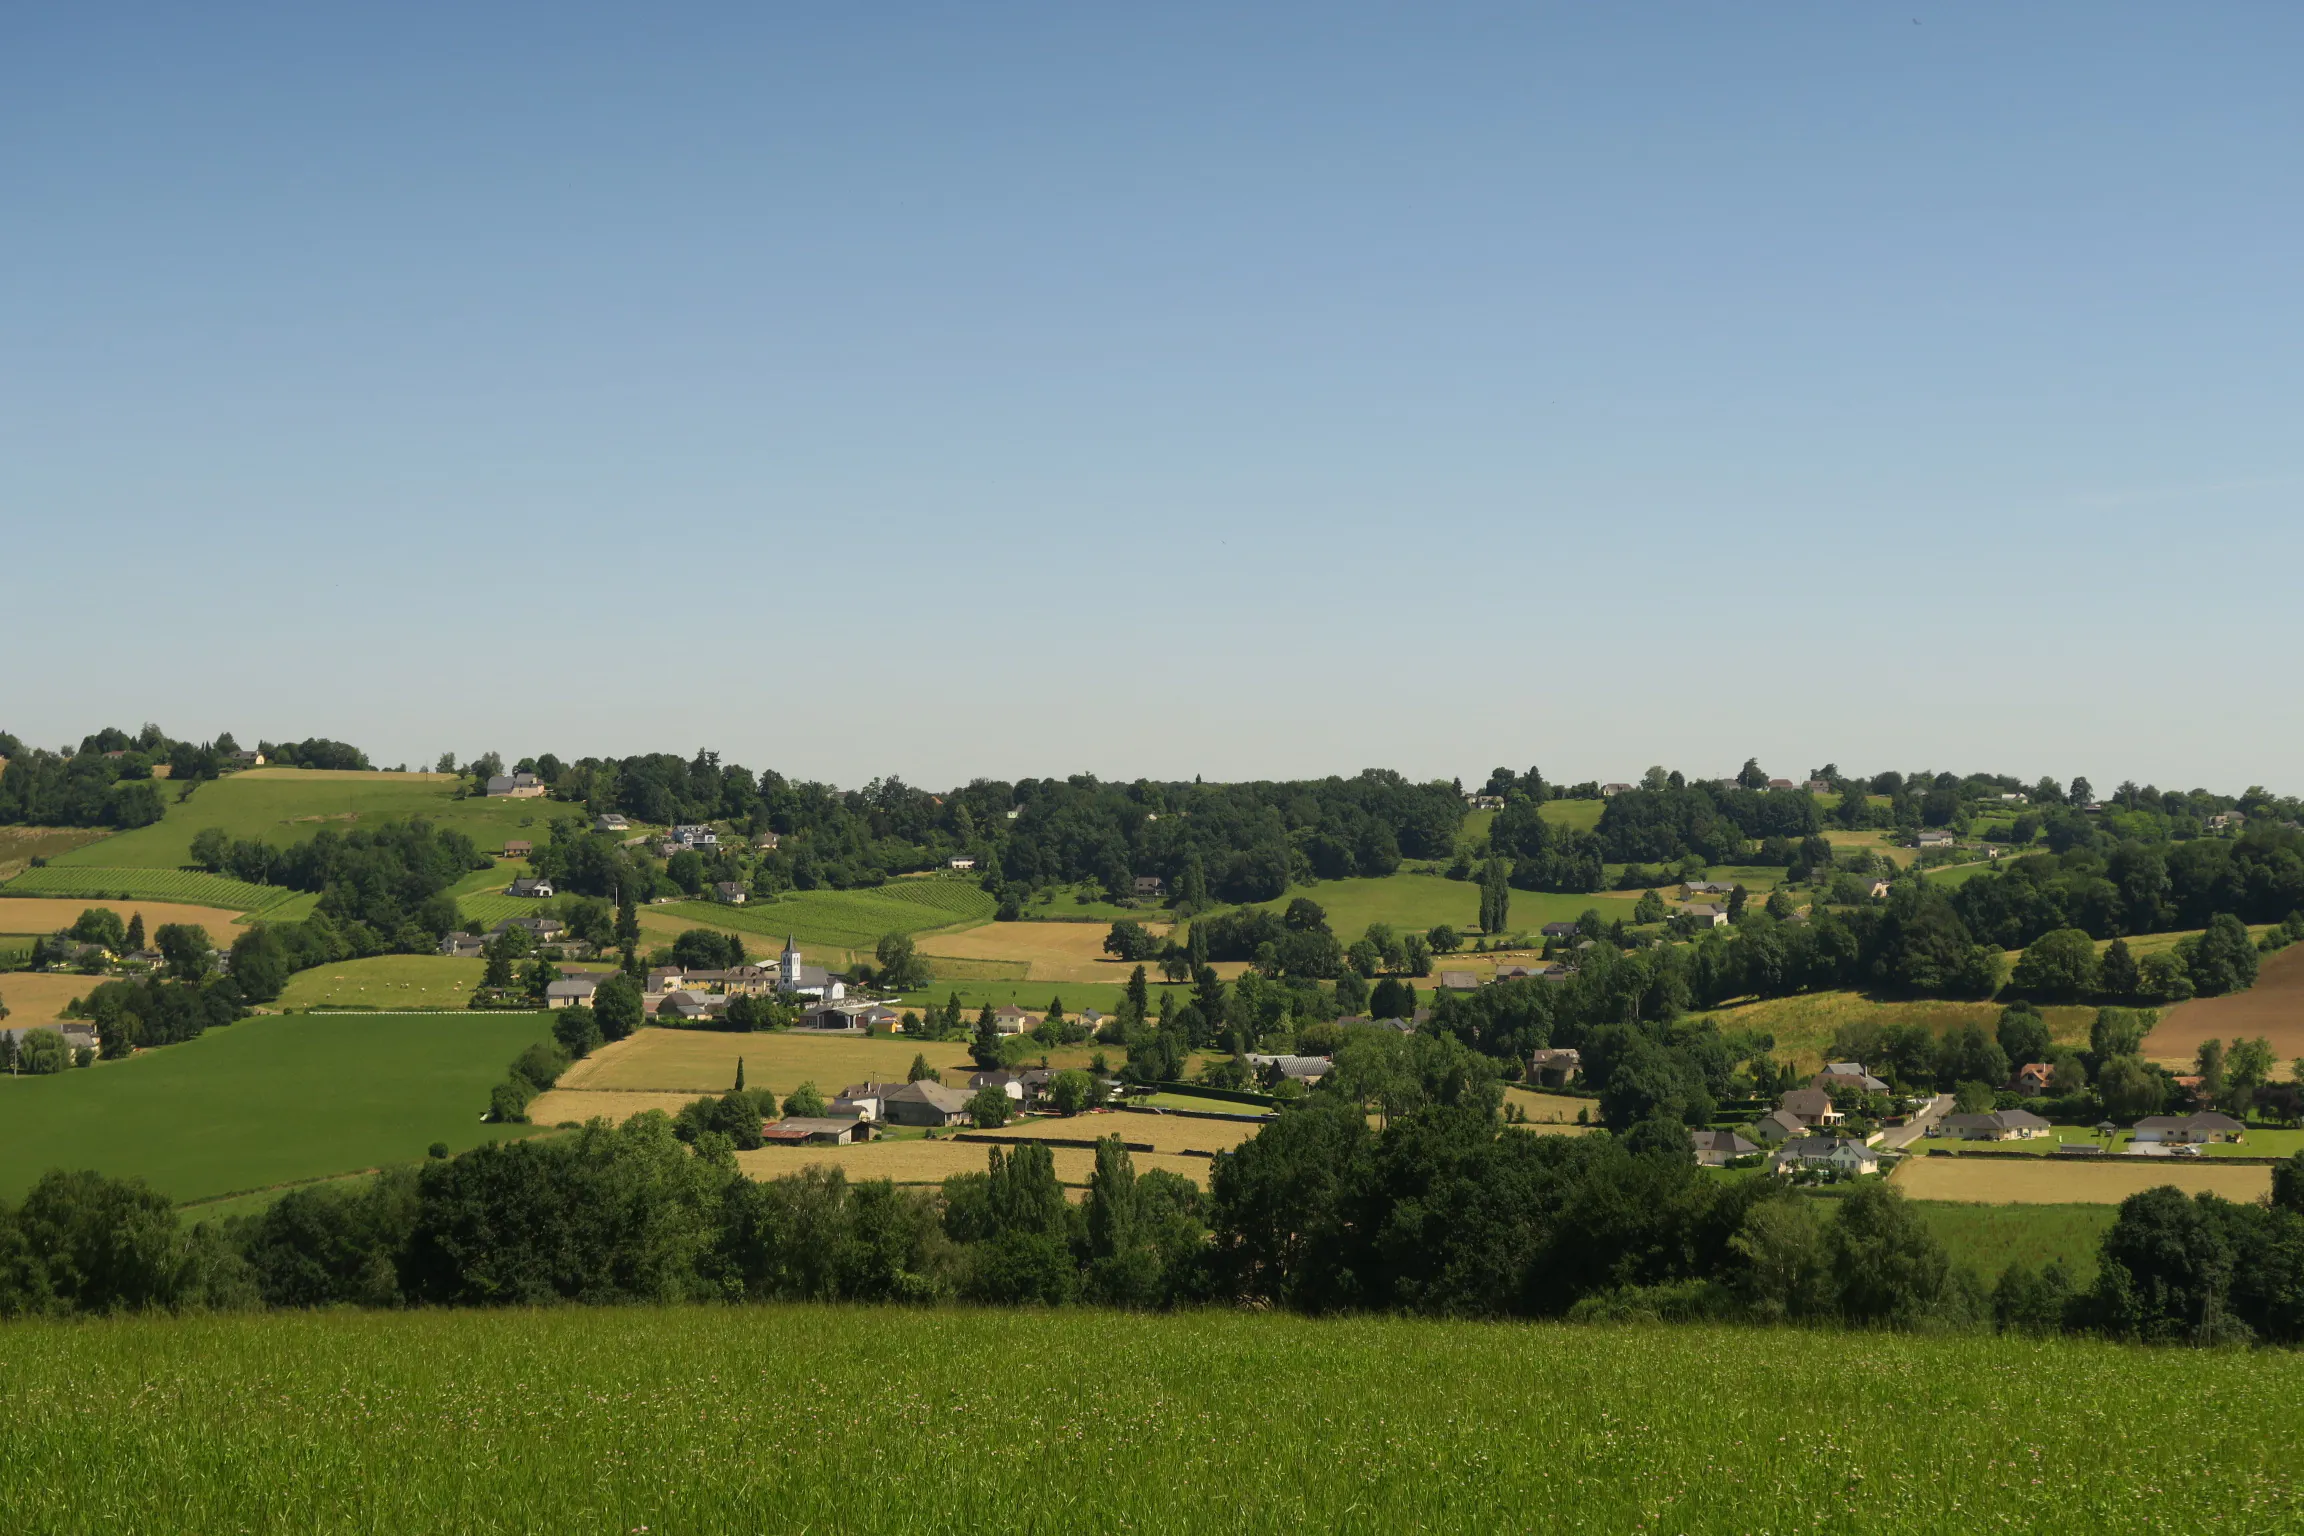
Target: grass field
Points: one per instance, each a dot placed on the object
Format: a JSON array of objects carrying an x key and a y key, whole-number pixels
[
  {"x": 36, "y": 915},
  {"x": 1420, "y": 902},
  {"x": 1046, "y": 952},
  {"x": 288, "y": 805},
  {"x": 851, "y": 920},
  {"x": 1988, "y": 1238},
  {"x": 693, "y": 1061},
  {"x": 868, "y": 1420},
  {"x": 265, "y": 1101},
  {"x": 1576, "y": 815},
  {"x": 95, "y": 886},
  {"x": 1805, "y": 1022},
  {"x": 2273, "y": 1008},
  {"x": 386, "y": 981},
  {"x": 974, "y": 993},
  {"x": 19, "y": 846},
  {"x": 39, "y": 997},
  {"x": 932, "y": 1162},
  {"x": 2041, "y": 1181},
  {"x": 1550, "y": 1108}
]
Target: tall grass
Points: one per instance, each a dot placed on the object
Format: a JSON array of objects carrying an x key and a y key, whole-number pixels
[{"x": 827, "y": 1419}]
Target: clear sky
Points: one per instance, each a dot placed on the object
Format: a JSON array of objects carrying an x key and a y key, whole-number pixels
[{"x": 1242, "y": 390}]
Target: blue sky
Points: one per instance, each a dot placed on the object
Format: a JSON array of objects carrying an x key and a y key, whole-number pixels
[{"x": 1242, "y": 391}]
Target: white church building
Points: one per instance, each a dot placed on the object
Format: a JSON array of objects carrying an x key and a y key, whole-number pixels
[{"x": 797, "y": 980}]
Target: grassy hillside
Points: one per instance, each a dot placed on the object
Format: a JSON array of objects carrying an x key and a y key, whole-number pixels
[
  {"x": 1805, "y": 1022},
  {"x": 265, "y": 1101},
  {"x": 841, "y": 919},
  {"x": 287, "y": 805},
  {"x": 186, "y": 886},
  {"x": 1420, "y": 902},
  {"x": 1988, "y": 1238},
  {"x": 863, "y": 1420}
]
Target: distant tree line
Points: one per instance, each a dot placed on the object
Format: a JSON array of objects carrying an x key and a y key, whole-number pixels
[{"x": 110, "y": 779}]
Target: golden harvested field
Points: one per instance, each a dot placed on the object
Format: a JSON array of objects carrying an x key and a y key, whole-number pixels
[
  {"x": 38, "y": 997},
  {"x": 1166, "y": 1133},
  {"x": 2042, "y": 1181},
  {"x": 1549, "y": 1108},
  {"x": 2273, "y": 1008},
  {"x": 693, "y": 1061},
  {"x": 46, "y": 914},
  {"x": 1053, "y": 951},
  {"x": 581, "y": 1104},
  {"x": 932, "y": 1162}
]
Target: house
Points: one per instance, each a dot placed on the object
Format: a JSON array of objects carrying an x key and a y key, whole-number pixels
[
  {"x": 1776, "y": 1126},
  {"x": 2015, "y": 797},
  {"x": 689, "y": 1006},
  {"x": 1553, "y": 1069},
  {"x": 1878, "y": 889},
  {"x": 463, "y": 946},
  {"x": 960, "y": 861},
  {"x": 610, "y": 821},
  {"x": 518, "y": 850},
  {"x": 544, "y": 930},
  {"x": 1777, "y": 784},
  {"x": 1559, "y": 930},
  {"x": 1459, "y": 981},
  {"x": 924, "y": 1103},
  {"x": 2034, "y": 1077},
  {"x": 2188, "y": 1129},
  {"x": 854, "y": 1015},
  {"x": 1023, "y": 1087},
  {"x": 1008, "y": 1019},
  {"x": 247, "y": 759},
  {"x": 1150, "y": 885},
  {"x": 766, "y": 842},
  {"x": 1611, "y": 791},
  {"x": 1485, "y": 802},
  {"x": 530, "y": 885},
  {"x": 1847, "y": 1074},
  {"x": 2000, "y": 1125},
  {"x": 1934, "y": 837},
  {"x": 1704, "y": 888},
  {"x": 2226, "y": 820},
  {"x": 866, "y": 1108},
  {"x": 869, "y": 1099},
  {"x": 701, "y": 838},
  {"x": 1706, "y": 914},
  {"x": 1832, "y": 1154},
  {"x": 1819, "y": 786},
  {"x": 1812, "y": 1107},
  {"x": 1714, "y": 1149},
  {"x": 730, "y": 891},
  {"x": 813, "y": 1131},
  {"x": 1304, "y": 1069},
  {"x": 515, "y": 786},
  {"x": 1092, "y": 1018},
  {"x": 572, "y": 991},
  {"x": 1530, "y": 973}
]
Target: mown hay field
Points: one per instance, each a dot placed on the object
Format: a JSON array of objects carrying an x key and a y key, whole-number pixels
[
  {"x": 932, "y": 1162},
  {"x": 266, "y": 1101},
  {"x": 39, "y": 997},
  {"x": 1052, "y": 952},
  {"x": 2042, "y": 1181},
  {"x": 1550, "y": 1108},
  {"x": 853, "y": 1419},
  {"x": 693, "y": 1061},
  {"x": 2273, "y": 1008},
  {"x": 44, "y": 915},
  {"x": 1162, "y": 1133}
]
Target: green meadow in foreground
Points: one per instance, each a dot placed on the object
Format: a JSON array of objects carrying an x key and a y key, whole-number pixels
[
  {"x": 266, "y": 1101},
  {"x": 851, "y": 1419}
]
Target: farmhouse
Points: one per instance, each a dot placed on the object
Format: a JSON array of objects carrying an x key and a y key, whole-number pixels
[
  {"x": 1833, "y": 1154},
  {"x": 610, "y": 821},
  {"x": 2188, "y": 1129},
  {"x": 544, "y": 930},
  {"x": 1878, "y": 889},
  {"x": 1553, "y": 1068},
  {"x": 812, "y": 1131},
  {"x": 924, "y": 1103},
  {"x": 1149, "y": 885},
  {"x": 731, "y": 892},
  {"x": 247, "y": 759},
  {"x": 1559, "y": 930},
  {"x": 463, "y": 946},
  {"x": 515, "y": 786},
  {"x": 1714, "y": 1149},
  {"x": 1008, "y": 1019},
  {"x": 1706, "y": 914},
  {"x": 2033, "y": 1078},
  {"x": 1819, "y": 786},
  {"x": 1485, "y": 802},
  {"x": 697, "y": 837},
  {"x": 1023, "y": 1087},
  {"x": 1811, "y": 1107},
  {"x": 1847, "y": 1074},
  {"x": 1776, "y": 784},
  {"x": 530, "y": 885},
  {"x": 853, "y": 1015},
  {"x": 572, "y": 991},
  {"x": 960, "y": 861},
  {"x": 518, "y": 850},
  {"x": 76, "y": 1037},
  {"x": 688, "y": 1006},
  {"x": 1304, "y": 1069},
  {"x": 1703, "y": 888},
  {"x": 1613, "y": 790},
  {"x": 1459, "y": 981},
  {"x": 2000, "y": 1125},
  {"x": 765, "y": 842},
  {"x": 1933, "y": 838},
  {"x": 1530, "y": 973},
  {"x": 1777, "y": 1126}
]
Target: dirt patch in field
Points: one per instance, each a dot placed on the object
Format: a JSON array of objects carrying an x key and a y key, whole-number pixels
[
  {"x": 2050, "y": 1181},
  {"x": 46, "y": 914},
  {"x": 932, "y": 1162},
  {"x": 690, "y": 1062},
  {"x": 2273, "y": 1008}
]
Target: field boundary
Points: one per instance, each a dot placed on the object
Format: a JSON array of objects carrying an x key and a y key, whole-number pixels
[{"x": 1190, "y": 1114}]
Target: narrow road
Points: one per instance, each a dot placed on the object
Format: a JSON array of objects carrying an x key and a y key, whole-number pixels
[{"x": 1897, "y": 1138}]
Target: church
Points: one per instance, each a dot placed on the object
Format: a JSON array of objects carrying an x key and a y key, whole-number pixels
[{"x": 797, "y": 980}]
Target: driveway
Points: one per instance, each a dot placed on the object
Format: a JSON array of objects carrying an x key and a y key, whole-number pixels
[{"x": 1900, "y": 1137}]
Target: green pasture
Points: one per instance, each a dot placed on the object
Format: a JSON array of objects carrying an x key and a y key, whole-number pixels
[
  {"x": 862, "y": 1419},
  {"x": 266, "y": 1101},
  {"x": 1988, "y": 1238},
  {"x": 1420, "y": 902},
  {"x": 386, "y": 981},
  {"x": 288, "y": 805},
  {"x": 1805, "y": 1022},
  {"x": 1950, "y": 875},
  {"x": 1576, "y": 815},
  {"x": 1104, "y": 997},
  {"x": 844, "y": 919},
  {"x": 1068, "y": 906}
]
